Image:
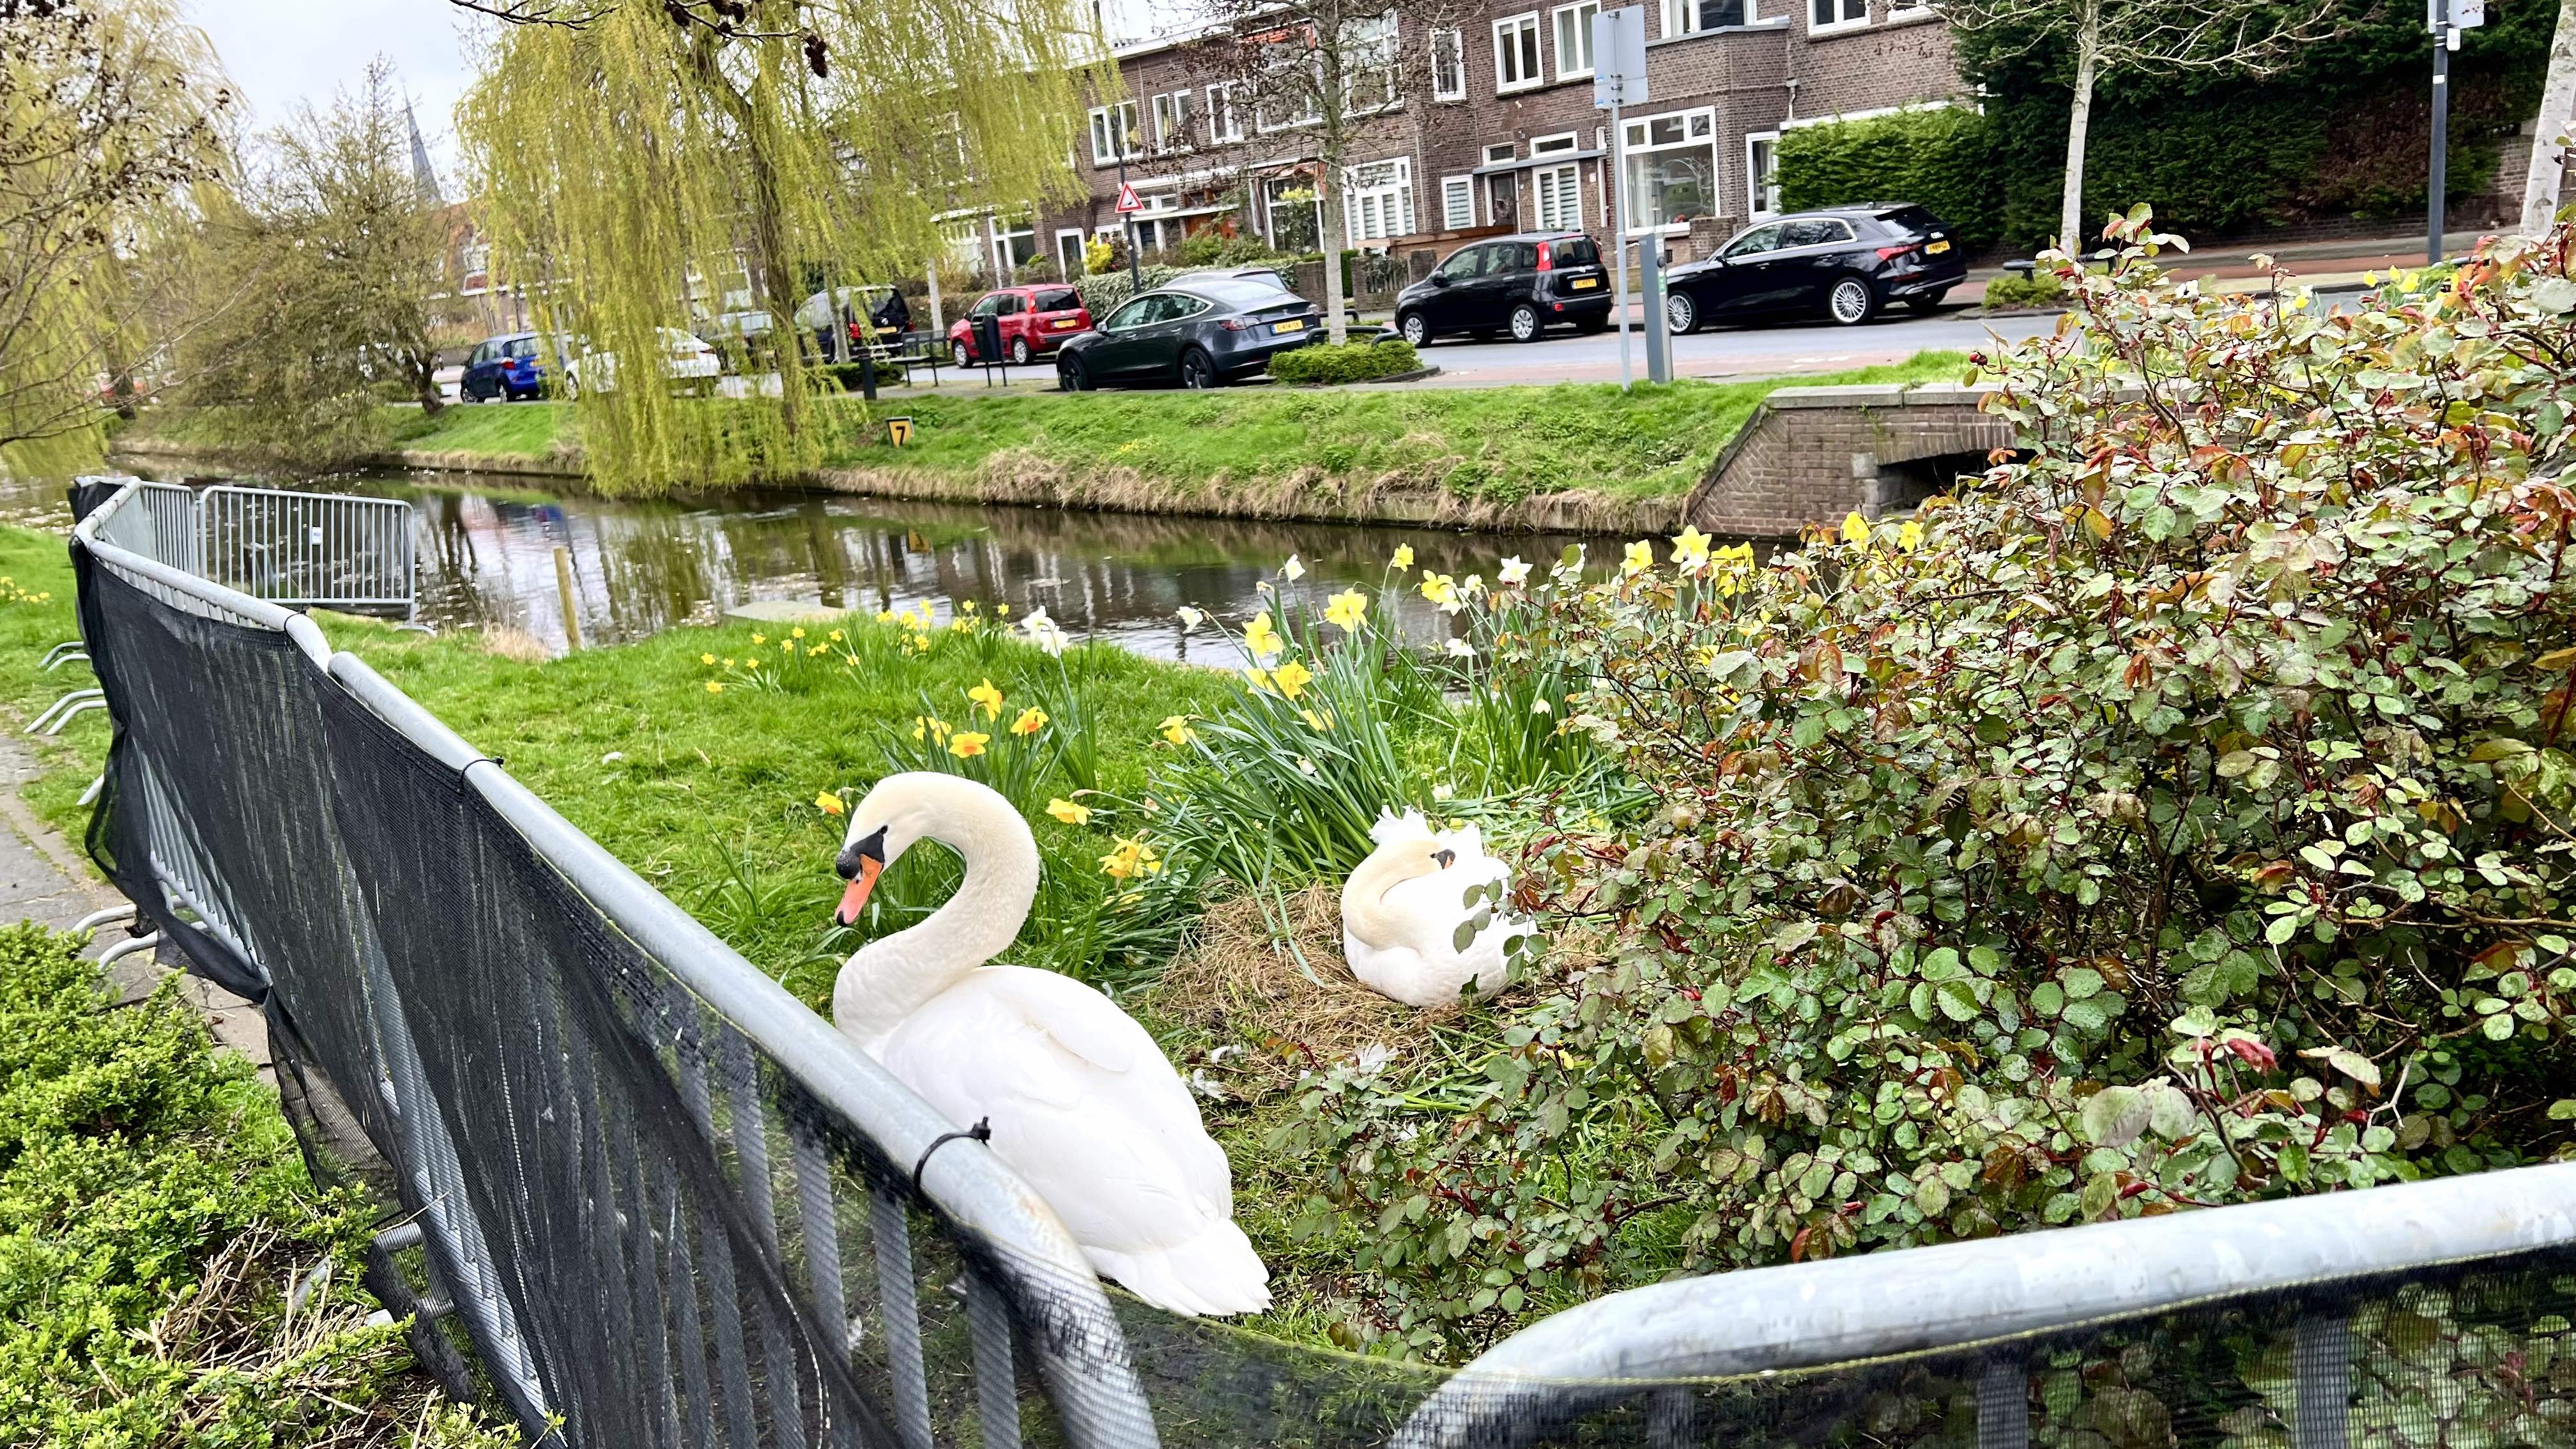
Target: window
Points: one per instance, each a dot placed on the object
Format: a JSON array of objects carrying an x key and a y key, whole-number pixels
[
  {"x": 1465, "y": 263},
  {"x": 1069, "y": 257},
  {"x": 1574, "y": 39},
  {"x": 1457, "y": 202},
  {"x": 1550, "y": 145},
  {"x": 1516, "y": 65},
  {"x": 1500, "y": 151},
  {"x": 1172, "y": 121},
  {"x": 1672, "y": 168},
  {"x": 1136, "y": 313},
  {"x": 1560, "y": 197},
  {"x": 1014, "y": 243},
  {"x": 1113, "y": 133},
  {"x": 1296, "y": 213},
  {"x": 1690, "y": 17},
  {"x": 1762, "y": 172},
  {"x": 1225, "y": 115},
  {"x": 1825, "y": 15},
  {"x": 1815, "y": 231},
  {"x": 1760, "y": 239},
  {"x": 1378, "y": 200},
  {"x": 1370, "y": 83},
  {"x": 1448, "y": 65},
  {"x": 1291, "y": 84}
]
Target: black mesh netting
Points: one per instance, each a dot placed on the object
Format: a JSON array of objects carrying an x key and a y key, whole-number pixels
[{"x": 656, "y": 1234}]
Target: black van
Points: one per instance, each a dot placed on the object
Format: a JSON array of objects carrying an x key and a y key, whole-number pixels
[{"x": 1522, "y": 285}]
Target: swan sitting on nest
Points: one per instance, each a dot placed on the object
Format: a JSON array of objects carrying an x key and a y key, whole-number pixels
[
  {"x": 1402, "y": 908},
  {"x": 1083, "y": 1105}
]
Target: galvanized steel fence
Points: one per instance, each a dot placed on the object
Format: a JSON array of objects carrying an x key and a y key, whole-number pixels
[{"x": 671, "y": 1206}]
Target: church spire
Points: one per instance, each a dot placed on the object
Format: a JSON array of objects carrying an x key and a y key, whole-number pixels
[{"x": 422, "y": 175}]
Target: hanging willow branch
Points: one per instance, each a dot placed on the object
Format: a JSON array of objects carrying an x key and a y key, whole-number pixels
[{"x": 643, "y": 167}]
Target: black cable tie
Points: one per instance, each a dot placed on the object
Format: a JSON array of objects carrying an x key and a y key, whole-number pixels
[{"x": 982, "y": 1131}]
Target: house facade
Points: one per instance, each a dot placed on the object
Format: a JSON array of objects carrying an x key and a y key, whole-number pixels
[{"x": 1501, "y": 136}]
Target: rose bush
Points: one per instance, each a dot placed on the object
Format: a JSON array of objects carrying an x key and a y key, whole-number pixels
[{"x": 2180, "y": 814}]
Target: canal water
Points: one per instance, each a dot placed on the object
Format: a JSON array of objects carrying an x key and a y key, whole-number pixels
[{"x": 486, "y": 560}]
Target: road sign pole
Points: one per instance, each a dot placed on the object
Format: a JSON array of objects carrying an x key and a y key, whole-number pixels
[
  {"x": 1619, "y": 79},
  {"x": 2438, "y": 178},
  {"x": 1618, "y": 198}
]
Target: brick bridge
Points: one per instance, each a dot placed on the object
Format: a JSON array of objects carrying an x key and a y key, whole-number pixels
[{"x": 1815, "y": 454}]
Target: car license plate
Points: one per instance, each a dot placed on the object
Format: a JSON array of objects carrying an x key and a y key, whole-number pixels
[
  {"x": 1584, "y": 284},
  {"x": 1936, "y": 248},
  {"x": 1293, "y": 324},
  {"x": 1062, "y": 322}
]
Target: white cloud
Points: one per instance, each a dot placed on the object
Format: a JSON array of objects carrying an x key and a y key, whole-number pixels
[{"x": 280, "y": 53}]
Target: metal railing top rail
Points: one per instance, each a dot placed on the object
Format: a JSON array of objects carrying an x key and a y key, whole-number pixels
[
  {"x": 1959, "y": 1295},
  {"x": 966, "y": 1182}
]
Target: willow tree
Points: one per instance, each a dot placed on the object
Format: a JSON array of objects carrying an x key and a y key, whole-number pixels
[
  {"x": 633, "y": 163},
  {"x": 111, "y": 111}
]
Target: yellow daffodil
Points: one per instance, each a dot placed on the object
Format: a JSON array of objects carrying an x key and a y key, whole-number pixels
[
  {"x": 1641, "y": 557},
  {"x": 1438, "y": 588},
  {"x": 1314, "y": 721},
  {"x": 1132, "y": 858},
  {"x": 1177, "y": 729},
  {"x": 835, "y": 636},
  {"x": 1257, "y": 677},
  {"x": 715, "y": 686},
  {"x": 966, "y": 744},
  {"x": 1002, "y": 609},
  {"x": 1259, "y": 638},
  {"x": 796, "y": 633},
  {"x": 989, "y": 697},
  {"x": 758, "y": 639},
  {"x": 728, "y": 664},
  {"x": 1909, "y": 535},
  {"x": 1293, "y": 570},
  {"x": 1855, "y": 528},
  {"x": 706, "y": 659},
  {"x": 1346, "y": 609},
  {"x": 830, "y": 804},
  {"x": 1031, "y": 720},
  {"x": 968, "y": 606},
  {"x": 816, "y": 651},
  {"x": 1068, "y": 812},
  {"x": 1690, "y": 550},
  {"x": 1292, "y": 678},
  {"x": 786, "y": 646},
  {"x": 1403, "y": 556}
]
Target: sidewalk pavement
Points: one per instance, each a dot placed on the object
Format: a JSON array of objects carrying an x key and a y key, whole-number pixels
[{"x": 45, "y": 878}]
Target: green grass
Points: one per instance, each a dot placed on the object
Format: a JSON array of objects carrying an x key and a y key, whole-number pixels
[
  {"x": 35, "y": 614},
  {"x": 508, "y": 430}
]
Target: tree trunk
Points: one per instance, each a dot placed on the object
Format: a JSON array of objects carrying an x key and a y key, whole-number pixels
[
  {"x": 2557, "y": 117},
  {"x": 2079, "y": 120},
  {"x": 1328, "y": 195}
]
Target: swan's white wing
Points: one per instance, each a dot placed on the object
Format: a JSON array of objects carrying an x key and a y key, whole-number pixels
[
  {"x": 1392, "y": 828},
  {"x": 1082, "y": 1103},
  {"x": 1467, "y": 840}
]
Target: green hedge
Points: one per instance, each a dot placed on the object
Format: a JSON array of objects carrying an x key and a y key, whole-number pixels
[
  {"x": 1103, "y": 292},
  {"x": 2040, "y": 289},
  {"x": 1325, "y": 363},
  {"x": 1940, "y": 158}
]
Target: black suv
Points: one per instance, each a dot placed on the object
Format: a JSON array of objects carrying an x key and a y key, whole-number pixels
[
  {"x": 1516, "y": 284},
  {"x": 1847, "y": 262}
]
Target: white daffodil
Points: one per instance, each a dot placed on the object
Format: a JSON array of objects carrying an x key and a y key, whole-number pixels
[
  {"x": 1043, "y": 632},
  {"x": 1514, "y": 573}
]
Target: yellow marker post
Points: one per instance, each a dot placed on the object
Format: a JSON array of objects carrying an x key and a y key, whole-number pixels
[{"x": 899, "y": 431}]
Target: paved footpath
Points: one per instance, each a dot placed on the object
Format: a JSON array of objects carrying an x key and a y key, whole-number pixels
[{"x": 47, "y": 879}]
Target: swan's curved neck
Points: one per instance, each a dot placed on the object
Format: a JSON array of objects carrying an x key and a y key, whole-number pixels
[
  {"x": 1364, "y": 909},
  {"x": 887, "y": 980}
]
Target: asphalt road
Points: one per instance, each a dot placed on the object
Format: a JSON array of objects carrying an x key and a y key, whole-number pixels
[{"x": 1759, "y": 351}]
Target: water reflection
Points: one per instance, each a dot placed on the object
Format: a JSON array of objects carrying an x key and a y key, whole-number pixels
[{"x": 486, "y": 560}]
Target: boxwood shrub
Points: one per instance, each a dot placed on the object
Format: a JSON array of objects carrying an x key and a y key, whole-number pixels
[
  {"x": 1349, "y": 362},
  {"x": 1941, "y": 159}
]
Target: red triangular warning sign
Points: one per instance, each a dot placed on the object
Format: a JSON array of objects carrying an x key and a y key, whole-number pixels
[{"x": 1127, "y": 201}]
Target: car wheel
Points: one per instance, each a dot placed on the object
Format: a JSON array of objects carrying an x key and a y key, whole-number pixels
[
  {"x": 1413, "y": 329},
  {"x": 1851, "y": 302},
  {"x": 1681, "y": 314},
  {"x": 958, "y": 354},
  {"x": 1020, "y": 353},
  {"x": 1928, "y": 303},
  {"x": 1198, "y": 372},
  {"x": 1526, "y": 323},
  {"x": 1070, "y": 376}
]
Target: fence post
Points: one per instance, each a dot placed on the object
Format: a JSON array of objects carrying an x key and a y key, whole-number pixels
[{"x": 564, "y": 591}]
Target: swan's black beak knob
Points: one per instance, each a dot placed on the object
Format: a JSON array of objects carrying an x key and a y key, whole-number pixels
[
  {"x": 860, "y": 863},
  {"x": 1446, "y": 857}
]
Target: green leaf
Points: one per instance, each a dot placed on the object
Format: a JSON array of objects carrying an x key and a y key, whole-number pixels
[
  {"x": 2047, "y": 998},
  {"x": 1957, "y": 1000},
  {"x": 2114, "y": 1116}
]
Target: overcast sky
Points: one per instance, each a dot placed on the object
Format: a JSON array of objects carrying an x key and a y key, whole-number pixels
[{"x": 280, "y": 52}]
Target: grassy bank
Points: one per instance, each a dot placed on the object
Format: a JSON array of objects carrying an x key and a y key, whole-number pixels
[{"x": 1570, "y": 455}]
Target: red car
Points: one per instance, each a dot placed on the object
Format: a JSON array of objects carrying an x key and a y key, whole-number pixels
[{"x": 1034, "y": 321}]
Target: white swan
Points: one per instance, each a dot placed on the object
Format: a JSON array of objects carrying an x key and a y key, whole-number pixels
[
  {"x": 1083, "y": 1105},
  {"x": 1402, "y": 908}
]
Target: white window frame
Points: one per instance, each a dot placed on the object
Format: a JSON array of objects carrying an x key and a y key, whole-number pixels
[
  {"x": 1117, "y": 123},
  {"x": 1373, "y": 53},
  {"x": 1457, "y": 193},
  {"x": 1639, "y": 143},
  {"x": 1681, "y": 17},
  {"x": 1073, "y": 271},
  {"x": 1454, "y": 41},
  {"x": 1539, "y": 217},
  {"x": 1495, "y": 154},
  {"x": 1844, "y": 21},
  {"x": 1395, "y": 199},
  {"x": 1515, "y": 26},
  {"x": 1225, "y": 100},
  {"x": 1561, "y": 141},
  {"x": 1582, "y": 31},
  {"x": 1759, "y": 200},
  {"x": 1172, "y": 121}
]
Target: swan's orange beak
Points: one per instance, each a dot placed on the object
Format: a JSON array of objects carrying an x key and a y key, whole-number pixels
[{"x": 855, "y": 899}]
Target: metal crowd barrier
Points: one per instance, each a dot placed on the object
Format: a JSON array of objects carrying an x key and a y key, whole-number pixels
[
  {"x": 813, "y": 1225},
  {"x": 297, "y": 550}
]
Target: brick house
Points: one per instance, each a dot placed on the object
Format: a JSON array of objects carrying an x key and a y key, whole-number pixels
[{"x": 1508, "y": 138}]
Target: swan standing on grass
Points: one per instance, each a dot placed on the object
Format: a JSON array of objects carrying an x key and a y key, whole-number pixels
[
  {"x": 1083, "y": 1105},
  {"x": 1402, "y": 908}
]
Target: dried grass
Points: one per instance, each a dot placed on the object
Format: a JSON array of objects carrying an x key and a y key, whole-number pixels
[
  {"x": 1243, "y": 986},
  {"x": 515, "y": 644}
]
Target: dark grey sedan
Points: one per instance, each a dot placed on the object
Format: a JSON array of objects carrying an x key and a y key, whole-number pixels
[{"x": 1198, "y": 332}]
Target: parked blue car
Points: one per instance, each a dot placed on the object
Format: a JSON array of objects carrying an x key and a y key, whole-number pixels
[{"x": 510, "y": 368}]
